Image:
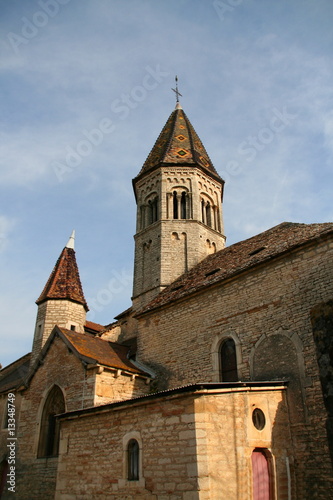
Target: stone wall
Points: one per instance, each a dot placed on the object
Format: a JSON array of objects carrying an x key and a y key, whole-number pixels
[
  {"x": 82, "y": 387},
  {"x": 322, "y": 324},
  {"x": 62, "y": 313},
  {"x": 168, "y": 247},
  {"x": 193, "y": 446},
  {"x": 269, "y": 305},
  {"x": 36, "y": 476},
  {"x": 116, "y": 385},
  {"x": 226, "y": 438}
]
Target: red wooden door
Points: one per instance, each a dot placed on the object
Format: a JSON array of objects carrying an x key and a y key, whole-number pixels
[{"x": 260, "y": 476}]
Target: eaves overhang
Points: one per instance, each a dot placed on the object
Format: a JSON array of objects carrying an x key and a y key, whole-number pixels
[{"x": 196, "y": 390}]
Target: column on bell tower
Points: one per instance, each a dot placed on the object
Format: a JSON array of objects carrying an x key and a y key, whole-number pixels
[{"x": 179, "y": 209}]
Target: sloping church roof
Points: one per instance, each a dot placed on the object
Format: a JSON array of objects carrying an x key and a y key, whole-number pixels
[
  {"x": 97, "y": 350},
  {"x": 90, "y": 350},
  {"x": 13, "y": 375},
  {"x": 178, "y": 144},
  {"x": 64, "y": 281},
  {"x": 239, "y": 257}
]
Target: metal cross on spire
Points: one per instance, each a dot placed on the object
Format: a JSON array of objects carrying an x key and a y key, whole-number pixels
[{"x": 176, "y": 90}]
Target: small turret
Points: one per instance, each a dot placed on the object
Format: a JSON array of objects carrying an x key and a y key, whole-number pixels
[{"x": 62, "y": 300}]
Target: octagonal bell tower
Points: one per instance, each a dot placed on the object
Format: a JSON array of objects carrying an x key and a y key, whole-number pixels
[{"x": 179, "y": 209}]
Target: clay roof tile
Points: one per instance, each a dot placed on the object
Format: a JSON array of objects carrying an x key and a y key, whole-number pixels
[
  {"x": 239, "y": 257},
  {"x": 97, "y": 350},
  {"x": 64, "y": 281},
  {"x": 178, "y": 144}
]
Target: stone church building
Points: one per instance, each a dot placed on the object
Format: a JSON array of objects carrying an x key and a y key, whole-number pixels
[{"x": 217, "y": 383}]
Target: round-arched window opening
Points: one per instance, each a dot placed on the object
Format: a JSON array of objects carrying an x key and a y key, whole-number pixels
[{"x": 258, "y": 419}]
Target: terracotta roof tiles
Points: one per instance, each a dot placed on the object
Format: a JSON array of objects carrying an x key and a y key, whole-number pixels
[
  {"x": 96, "y": 350},
  {"x": 239, "y": 257},
  {"x": 91, "y": 327},
  {"x": 178, "y": 144},
  {"x": 64, "y": 281}
]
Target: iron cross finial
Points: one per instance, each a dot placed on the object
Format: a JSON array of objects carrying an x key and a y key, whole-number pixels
[{"x": 176, "y": 90}]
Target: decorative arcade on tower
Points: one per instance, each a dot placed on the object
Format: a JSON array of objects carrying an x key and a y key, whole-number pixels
[{"x": 179, "y": 208}]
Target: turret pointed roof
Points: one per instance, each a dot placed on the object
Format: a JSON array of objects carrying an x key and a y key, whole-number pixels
[
  {"x": 64, "y": 281},
  {"x": 178, "y": 144}
]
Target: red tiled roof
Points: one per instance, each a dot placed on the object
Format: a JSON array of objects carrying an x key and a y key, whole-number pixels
[
  {"x": 179, "y": 144},
  {"x": 239, "y": 257},
  {"x": 94, "y": 327},
  {"x": 64, "y": 281},
  {"x": 97, "y": 350}
]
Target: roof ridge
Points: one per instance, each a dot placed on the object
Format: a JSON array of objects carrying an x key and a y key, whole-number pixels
[
  {"x": 168, "y": 144},
  {"x": 13, "y": 363},
  {"x": 240, "y": 257},
  {"x": 196, "y": 154}
]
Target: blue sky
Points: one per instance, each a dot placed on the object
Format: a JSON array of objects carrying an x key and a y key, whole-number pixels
[{"x": 85, "y": 91}]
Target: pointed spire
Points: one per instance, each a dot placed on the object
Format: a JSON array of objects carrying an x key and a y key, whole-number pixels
[
  {"x": 64, "y": 281},
  {"x": 179, "y": 144},
  {"x": 71, "y": 241}
]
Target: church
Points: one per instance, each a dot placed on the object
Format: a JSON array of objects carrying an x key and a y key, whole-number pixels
[{"x": 217, "y": 383}]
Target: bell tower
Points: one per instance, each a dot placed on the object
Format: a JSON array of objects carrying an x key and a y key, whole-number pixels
[{"x": 179, "y": 209}]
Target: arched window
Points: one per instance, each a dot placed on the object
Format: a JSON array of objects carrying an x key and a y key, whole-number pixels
[
  {"x": 152, "y": 210},
  {"x": 49, "y": 430},
  {"x": 133, "y": 460},
  {"x": 228, "y": 361},
  {"x": 208, "y": 215},
  {"x": 180, "y": 207},
  {"x": 175, "y": 205},
  {"x": 155, "y": 209},
  {"x": 183, "y": 206},
  {"x": 206, "y": 212},
  {"x": 142, "y": 217},
  {"x": 203, "y": 212}
]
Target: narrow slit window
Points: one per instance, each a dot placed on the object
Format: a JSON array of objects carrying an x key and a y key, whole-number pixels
[
  {"x": 133, "y": 460},
  {"x": 183, "y": 205},
  {"x": 175, "y": 205},
  {"x": 208, "y": 215}
]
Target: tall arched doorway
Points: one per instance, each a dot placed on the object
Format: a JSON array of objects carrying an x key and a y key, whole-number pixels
[
  {"x": 49, "y": 431},
  {"x": 261, "y": 475}
]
